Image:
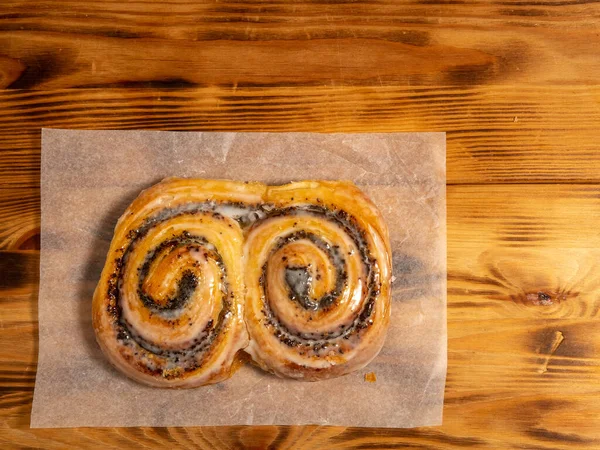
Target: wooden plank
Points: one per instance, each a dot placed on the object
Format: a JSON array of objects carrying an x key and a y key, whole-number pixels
[
  {"x": 63, "y": 44},
  {"x": 495, "y": 133},
  {"x": 19, "y": 220},
  {"x": 524, "y": 337}
]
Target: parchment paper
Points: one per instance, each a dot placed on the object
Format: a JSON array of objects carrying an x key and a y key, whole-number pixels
[{"x": 89, "y": 178}]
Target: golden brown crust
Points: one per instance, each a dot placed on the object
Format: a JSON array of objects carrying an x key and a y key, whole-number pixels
[
  {"x": 188, "y": 256},
  {"x": 165, "y": 249},
  {"x": 330, "y": 232}
]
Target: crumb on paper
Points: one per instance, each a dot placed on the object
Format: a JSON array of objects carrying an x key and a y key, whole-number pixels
[{"x": 370, "y": 377}]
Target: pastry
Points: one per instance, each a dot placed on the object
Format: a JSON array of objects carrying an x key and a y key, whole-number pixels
[
  {"x": 298, "y": 276},
  {"x": 317, "y": 274},
  {"x": 168, "y": 310}
]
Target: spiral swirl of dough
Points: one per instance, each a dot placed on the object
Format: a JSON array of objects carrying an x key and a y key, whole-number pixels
[
  {"x": 168, "y": 310},
  {"x": 317, "y": 275}
]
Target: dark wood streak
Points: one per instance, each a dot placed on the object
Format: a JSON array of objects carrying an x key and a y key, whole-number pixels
[
  {"x": 553, "y": 436},
  {"x": 42, "y": 68},
  {"x": 554, "y": 4},
  {"x": 427, "y": 436},
  {"x": 18, "y": 269}
]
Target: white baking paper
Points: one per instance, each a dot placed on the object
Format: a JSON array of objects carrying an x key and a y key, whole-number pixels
[{"x": 89, "y": 178}]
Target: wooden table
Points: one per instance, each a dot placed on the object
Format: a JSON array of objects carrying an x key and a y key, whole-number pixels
[{"x": 514, "y": 83}]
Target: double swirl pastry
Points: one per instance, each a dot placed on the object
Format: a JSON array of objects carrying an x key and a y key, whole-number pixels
[{"x": 297, "y": 276}]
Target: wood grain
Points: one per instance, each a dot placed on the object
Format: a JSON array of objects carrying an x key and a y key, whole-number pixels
[
  {"x": 514, "y": 83},
  {"x": 521, "y": 270},
  {"x": 494, "y": 133},
  {"x": 62, "y": 44}
]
